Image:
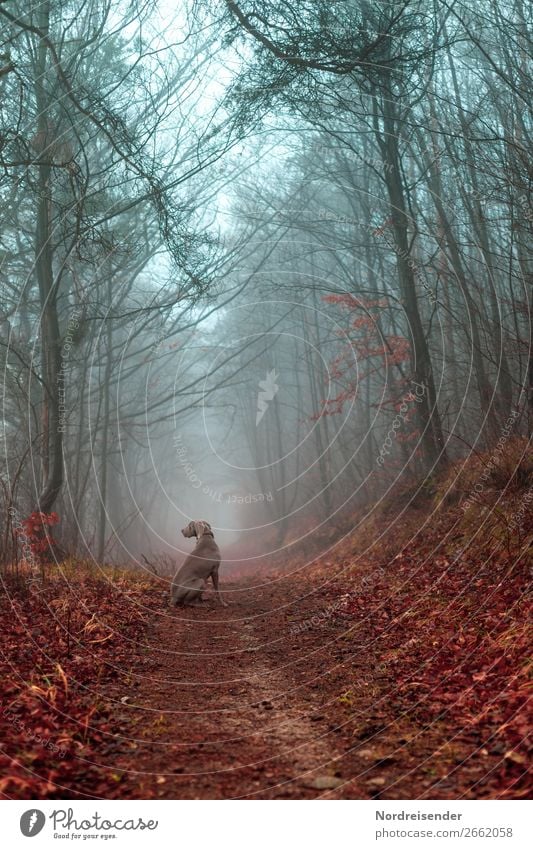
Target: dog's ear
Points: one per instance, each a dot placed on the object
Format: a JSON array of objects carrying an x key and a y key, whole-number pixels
[{"x": 202, "y": 527}]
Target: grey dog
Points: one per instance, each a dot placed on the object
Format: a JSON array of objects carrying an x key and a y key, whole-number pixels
[{"x": 190, "y": 581}]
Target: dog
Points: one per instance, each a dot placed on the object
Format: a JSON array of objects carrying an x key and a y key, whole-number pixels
[{"x": 190, "y": 581}]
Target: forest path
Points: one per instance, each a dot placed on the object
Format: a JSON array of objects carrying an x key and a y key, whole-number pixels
[
  {"x": 290, "y": 692},
  {"x": 223, "y": 707}
]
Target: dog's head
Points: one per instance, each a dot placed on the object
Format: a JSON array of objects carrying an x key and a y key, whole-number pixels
[{"x": 197, "y": 529}]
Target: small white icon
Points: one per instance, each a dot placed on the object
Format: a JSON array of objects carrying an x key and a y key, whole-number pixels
[{"x": 268, "y": 388}]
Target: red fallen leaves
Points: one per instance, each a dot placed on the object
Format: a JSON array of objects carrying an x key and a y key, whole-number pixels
[
  {"x": 454, "y": 636},
  {"x": 58, "y": 645}
]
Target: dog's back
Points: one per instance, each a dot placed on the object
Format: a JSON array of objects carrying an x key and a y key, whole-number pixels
[{"x": 202, "y": 561}]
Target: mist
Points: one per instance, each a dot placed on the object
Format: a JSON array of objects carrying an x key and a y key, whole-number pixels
[{"x": 262, "y": 292}]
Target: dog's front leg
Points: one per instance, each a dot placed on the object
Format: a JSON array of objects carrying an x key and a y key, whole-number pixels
[{"x": 214, "y": 578}]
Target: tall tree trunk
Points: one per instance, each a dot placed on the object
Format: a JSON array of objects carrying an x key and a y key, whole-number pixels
[
  {"x": 504, "y": 381},
  {"x": 102, "y": 519},
  {"x": 312, "y": 339},
  {"x": 484, "y": 385},
  {"x": 427, "y": 410},
  {"x": 53, "y": 398}
]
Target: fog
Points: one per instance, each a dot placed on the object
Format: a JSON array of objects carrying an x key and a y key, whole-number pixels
[{"x": 254, "y": 283}]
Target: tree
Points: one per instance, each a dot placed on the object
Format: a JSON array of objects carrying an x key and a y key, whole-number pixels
[{"x": 94, "y": 165}]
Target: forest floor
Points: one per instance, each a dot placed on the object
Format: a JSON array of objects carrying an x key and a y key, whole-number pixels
[{"x": 393, "y": 667}]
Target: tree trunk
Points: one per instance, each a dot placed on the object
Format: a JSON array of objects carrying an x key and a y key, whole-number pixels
[
  {"x": 53, "y": 398},
  {"x": 484, "y": 385},
  {"x": 504, "y": 380},
  {"x": 102, "y": 519},
  {"x": 427, "y": 410}
]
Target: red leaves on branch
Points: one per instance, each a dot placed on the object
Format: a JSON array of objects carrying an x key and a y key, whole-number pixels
[
  {"x": 379, "y": 231},
  {"x": 352, "y": 303},
  {"x": 35, "y": 532},
  {"x": 363, "y": 342}
]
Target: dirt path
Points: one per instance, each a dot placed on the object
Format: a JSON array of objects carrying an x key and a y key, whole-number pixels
[
  {"x": 218, "y": 709},
  {"x": 281, "y": 696}
]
